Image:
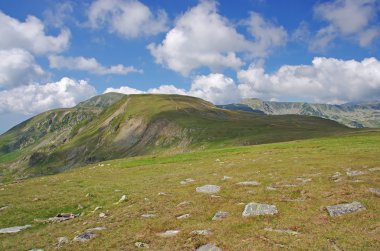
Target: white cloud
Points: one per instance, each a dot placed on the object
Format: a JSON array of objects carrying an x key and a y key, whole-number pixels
[
  {"x": 266, "y": 35},
  {"x": 167, "y": 89},
  {"x": 30, "y": 35},
  {"x": 88, "y": 64},
  {"x": 124, "y": 90},
  {"x": 346, "y": 18},
  {"x": 215, "y": 88},
  {"x": 325, "y": 80},
  {"x": 203, "y": 38},
  {"x": 18, "y": 67},
  {"x": 58, "y": 14},
  {"x": 36, "y": 98},
  {"x": 128, "y": 18}
]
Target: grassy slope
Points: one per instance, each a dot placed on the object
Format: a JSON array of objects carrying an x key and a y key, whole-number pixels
[{"x": 144, "y": 177}]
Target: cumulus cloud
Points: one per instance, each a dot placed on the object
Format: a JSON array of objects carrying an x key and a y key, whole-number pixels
[
  {"x": 88, "y": 64},
  {"x": 30, "y": 35},
  {"x": 36, "y": 98},
  {"x": 354, "y": 19},
  {"x": 124, "y": 90},
  {"x": 128, "y": 18},
  {"x": 325, "y": 80},
  {"x": 203, "y": 38},
  {"x": 18, "y": 67}
]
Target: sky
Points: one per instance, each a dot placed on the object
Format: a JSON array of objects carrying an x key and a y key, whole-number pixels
[{"x": 58, "y": 53}]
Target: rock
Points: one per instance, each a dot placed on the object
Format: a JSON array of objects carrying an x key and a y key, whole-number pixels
[
  {"x": 201, "y": 232},
  {"x": 148, "y": 215},
  {"x": 16, "y": 229},
  {"x": 255, "y": 209},
  {"x": 374, "y": 190},
  {"x": 140, "y": 244},
  {"x": 286, "y": 231},
  {"x": 303, "y": 180},
  {"x": 169, "y": 233},
  {"x": 3, "y": 208},
  {"x": 36, "y": 249},
  {"x": 208, "y": 247},
  {"x": 96, "y": 229},
  {"x": 220, "y": 215},
  {"x": 270, "y": 188},
  {"x": 62, "y": 241},
  {"x": 374, "y": 169},
  {"x": 226, "y": 177},
  {"x": 88, "y": 195},
  {"x": 187, "y": 181},
  {"x": 80, "y": 207},
  {"x": 122, "y": 199},
  {"x": 355, "y": 173},
  {"x": 345, "y": 208},
  {"x": 249, "y": 183},
  {"x": 184, "y": 203},
  {"x": 96, "y": 209},
  {"x": 184, "y": 216},
  {"x": 215, "y": 196},
  {"x": 162, "y": 193},
  {"x": 61, "y": 217},
  {"x": 208, "y": 189},
  {"x": 336, "y": 177},
  {"x": 86, "y": 236}
]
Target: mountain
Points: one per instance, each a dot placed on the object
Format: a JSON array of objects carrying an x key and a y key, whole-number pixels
[
  {"x": 355, "y": 115},
  {"x": 114, "y": 126}
]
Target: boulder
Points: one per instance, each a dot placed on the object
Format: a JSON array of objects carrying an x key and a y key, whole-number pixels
[
  {"x": 345, "y": 208},
  {"x": 256, "y": 209},
  {"x": 208, "y": 189}
]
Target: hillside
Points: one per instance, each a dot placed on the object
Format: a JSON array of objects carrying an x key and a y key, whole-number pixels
[
  {"x": 355, "y": 115},
  {"x": 115, "y": 126},
  {"x": 300, "y": 178}
]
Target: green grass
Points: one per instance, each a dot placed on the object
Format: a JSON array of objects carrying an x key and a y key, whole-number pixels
[{"x": 144, "y": 177}]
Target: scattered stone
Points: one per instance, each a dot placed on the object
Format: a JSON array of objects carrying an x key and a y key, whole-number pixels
[
  {"x": 374, "y": 169},
  {"x": 355, "y": 173},
  {"x": 140, "y": 244},
  {"x": 117, "y": 190},
  {"x": 146, "y": 199},
  {"x": 208, "y": 189},
  {"x": 86, "y": 236},
  {"x": 226, "y": 177},
  {"x": 304, "y": 180},
  {"x": 96, "y": 209},
  {"x": 255, "y": 209},
  {"x": 96, "y": 229},
  {"x": 62, "y": 241},
  {"x": 187, "y": 181},
  {"x": 183, "y": 203},
  {"x": 36, "y": 199},
  {"x": 122, "y": 199},
  {"x": 61, "y": 217},
  {"x": 201, "y": 232},
  {"x": 345, "y": 208},
  {"x": 10, "y": 230},
  {"x": 88, "y": 195},
  {"x": 36, "y": 249},
  {"x": 102, "y": 215},
  {"x": 169, "y": 233},
  {"x": 148, "y": 215},
  {"x": 161, "y": 193},
  {"x": 270, "y": 188},
  {"x": 374, "y": 190},
  {"x": 286, "y": 231},
  {"x": 3, "y": 208},
  {"x": 215, "y": 196},
  {"x": 80, "y": 207},
  {"x": 220, "y": 215},
  {"x": 217, "y": 160},
  {"x": 249, "y": 183},
  {"x": 184, "y": 216},
  {"x": 336, "y": 177},
  {"x": 208, "y": 247}
]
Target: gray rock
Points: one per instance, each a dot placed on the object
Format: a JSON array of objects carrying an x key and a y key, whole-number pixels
[
  {"x": 220, "y": 215},
  {"x": 201, "y": 232},
  {"x": 374, "y": 169},
  {"x": 184, "y": 216},
  {"x": 10, "y": 230},
  {"x": 3, "y": 208},
  {"x": 255, "y": 209},
  {"x": 122, "y": 199},
  {"x": 270, "y": 188},
  {"x": 336, "y": 177},
  {"x": 208, "y": 189},
  {"x": 140, "y": 244},
  {"x": 226, "y": 177},
  {"x": 61, "y": 217},
  {"x": 148, "y": 215},
  {"x": 249, "y": 183},
  {"x": 96, "y": 229},
  {"x": 162, "y": 193},
  {"x": 304, "y": 180},
  {"x": 184, "y": 203},
  {"x": 208, "y": 247},
  {"x": 355, "y": 173},
  {"x": 374, "y": 190},
  {"x": 187, "y": 181},
  {"x": 86, "y": 236},
  {"x": 169, "y": 233},
  {"x": 345, "y": 208},
  {"x": 62, "y": 241},
  {"x": 36, "y": 249}
]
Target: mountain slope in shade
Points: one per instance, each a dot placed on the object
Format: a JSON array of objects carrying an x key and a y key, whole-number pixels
[
  {"x": 116, "y": 126},
  {"x": 355, "y": 115}
]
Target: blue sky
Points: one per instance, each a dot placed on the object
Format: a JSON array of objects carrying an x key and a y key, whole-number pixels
[{"x": 58, "y": 53}]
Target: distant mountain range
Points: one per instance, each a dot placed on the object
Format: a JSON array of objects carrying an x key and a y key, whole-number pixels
[
  {"x": 355, "y": 115},
  {"x": 114, "y": 126}
]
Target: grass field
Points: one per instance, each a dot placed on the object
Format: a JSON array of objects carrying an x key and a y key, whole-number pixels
[{"x": 301, "y": 205}]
